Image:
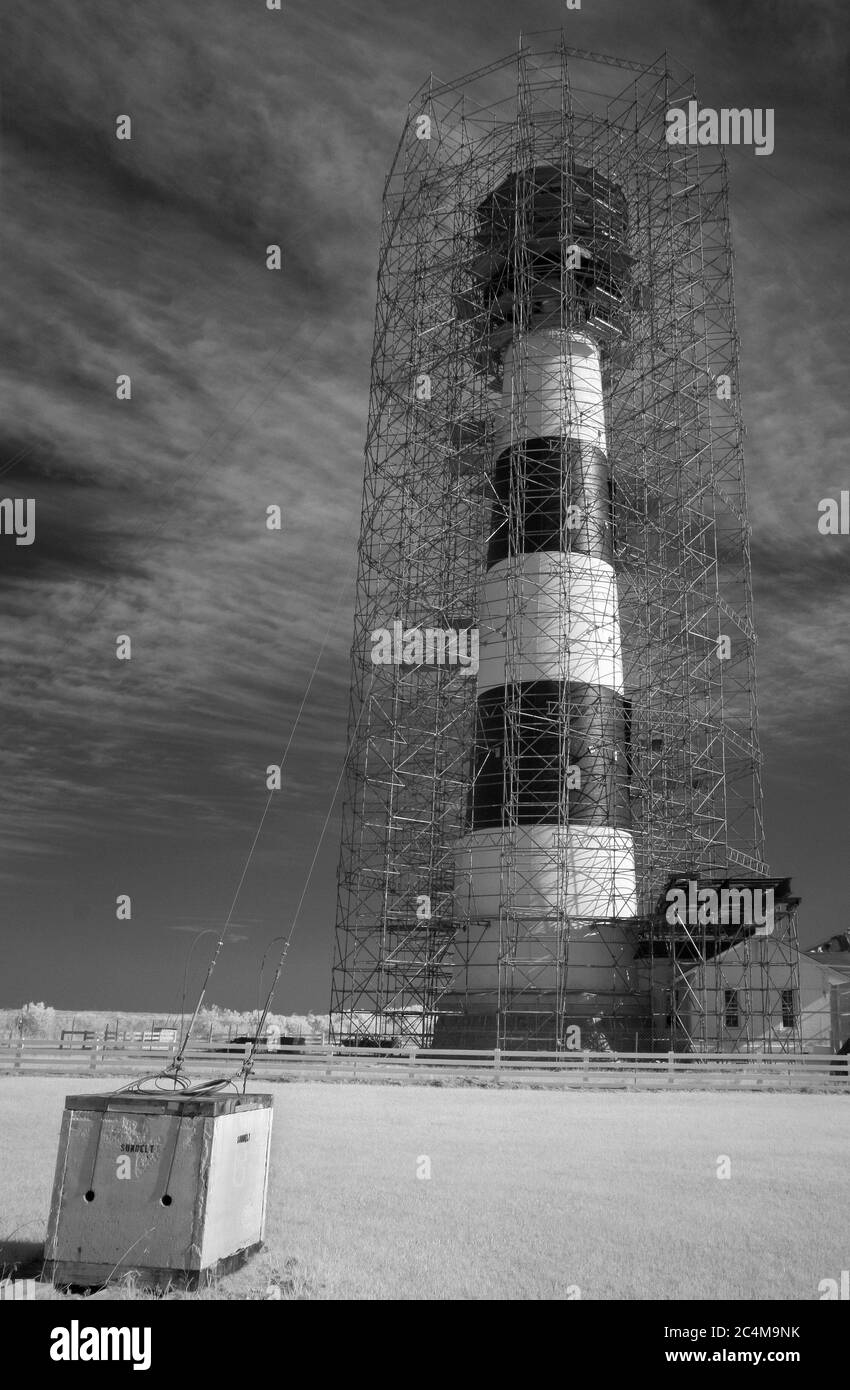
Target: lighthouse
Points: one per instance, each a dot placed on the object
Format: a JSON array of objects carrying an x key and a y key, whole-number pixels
[
  {"x": 551, "y": 468},
  {"x": 547, "y": 866}
]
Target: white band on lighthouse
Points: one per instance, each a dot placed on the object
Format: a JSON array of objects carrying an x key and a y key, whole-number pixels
[
  {"x": 582, "y": 871},
  {"x": 550, "y": 616},
  {"x": 552, "y": 388}
]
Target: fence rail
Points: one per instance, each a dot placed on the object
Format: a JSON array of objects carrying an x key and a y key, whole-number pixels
[{"x": 733, "y": 1070}]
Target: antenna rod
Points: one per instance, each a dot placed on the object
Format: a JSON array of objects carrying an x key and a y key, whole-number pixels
[
  {"x": 249, "y": 1059},
  {"x": 178, "y": 1060}
]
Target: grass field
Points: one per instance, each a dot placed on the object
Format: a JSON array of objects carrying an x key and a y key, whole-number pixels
[{"x": 530, "y": 1192}]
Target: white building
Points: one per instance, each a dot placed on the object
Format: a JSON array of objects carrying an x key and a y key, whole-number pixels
[{"x": 760, "y": 995}]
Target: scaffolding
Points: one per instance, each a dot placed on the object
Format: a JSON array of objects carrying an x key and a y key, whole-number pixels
[
  {"x": 539, "y": 195},
  {"x": 725, "y": 985}
]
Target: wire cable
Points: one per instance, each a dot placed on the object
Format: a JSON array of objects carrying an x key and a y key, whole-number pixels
[
  {"x": 248, "y": 1064},
  {"x": 176, "y": 1067}
]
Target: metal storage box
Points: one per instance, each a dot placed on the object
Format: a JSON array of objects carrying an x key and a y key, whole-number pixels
[{"x": 171, "y": 1187}]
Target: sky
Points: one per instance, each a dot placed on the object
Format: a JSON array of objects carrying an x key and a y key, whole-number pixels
[{"x": 146, "y": 257}]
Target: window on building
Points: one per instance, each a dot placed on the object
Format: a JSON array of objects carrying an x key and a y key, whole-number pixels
[
  {"x": 789, "y": 1013},
  {"x": 730, "y": 1005}
]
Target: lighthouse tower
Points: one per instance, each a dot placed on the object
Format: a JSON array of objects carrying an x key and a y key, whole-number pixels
[
  {"x": 548, "y": 463},
  {"x": 547, "y": 870}
]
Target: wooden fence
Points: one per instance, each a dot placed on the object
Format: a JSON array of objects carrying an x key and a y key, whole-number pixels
[{"x": 685, "y": 1071}]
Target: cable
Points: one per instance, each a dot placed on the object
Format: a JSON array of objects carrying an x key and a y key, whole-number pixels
[
  {"x": 249, "y": 1060},
  {"x": 176, "y": 1066}
]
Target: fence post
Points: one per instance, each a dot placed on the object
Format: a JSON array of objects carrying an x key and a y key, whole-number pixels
[
  {"x": 671, "y": 1068},
  {"x": 412, "y": 1051},
  {"x": 585, "y": 1071},
  {"x": 19, "y": 1052},
  {"x": 497, "y": 1062},
  {"x": 93, "y": 1058}
]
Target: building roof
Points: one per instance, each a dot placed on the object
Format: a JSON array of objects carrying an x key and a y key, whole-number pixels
[
  {"x": 833, "y": 963},
  {"x": 834, "y": 952}
]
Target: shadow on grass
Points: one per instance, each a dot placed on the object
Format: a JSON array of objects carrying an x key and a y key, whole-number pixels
[
  {"x": 21, "y": 1259},
  {"x": 24, "y": 1259}
]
